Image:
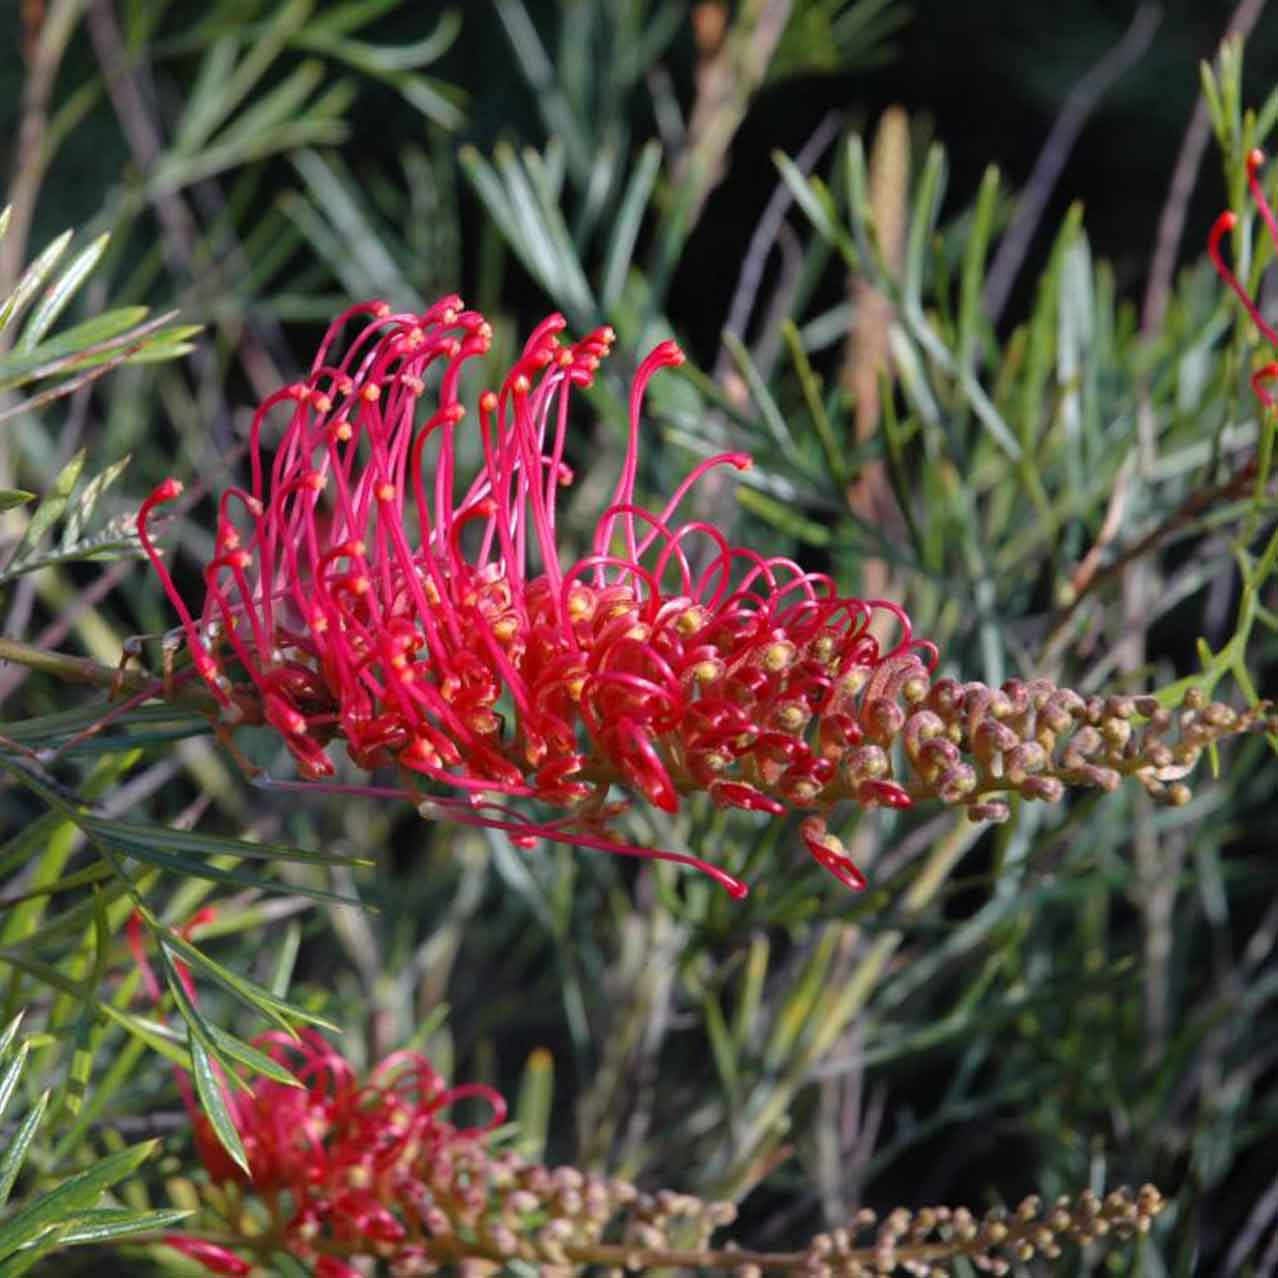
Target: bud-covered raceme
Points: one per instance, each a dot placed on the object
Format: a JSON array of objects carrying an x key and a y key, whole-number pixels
[
  {"x": 360, "y": 1176},
  {"x": 370, "y": 593},
  {"x": 355, "y": 1177}
]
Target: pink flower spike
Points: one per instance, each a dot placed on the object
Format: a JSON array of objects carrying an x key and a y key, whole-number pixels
[
  {"x": 367, "y": 593},
  {"x": 344, "y": 1164}
]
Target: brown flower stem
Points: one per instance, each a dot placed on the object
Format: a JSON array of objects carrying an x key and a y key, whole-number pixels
[
  {"x": 731, "y": 70},
  {"x": 1083, "y": 100},
  {"x": 907, "y": 1241}
]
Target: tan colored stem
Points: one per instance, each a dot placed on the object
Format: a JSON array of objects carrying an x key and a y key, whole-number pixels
[
  {"x": 731, "y": 71},
  {"x": 82, "y": 670}
]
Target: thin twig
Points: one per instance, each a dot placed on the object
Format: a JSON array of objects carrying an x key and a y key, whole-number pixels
[
  {"x": 31, "y": 157},
  {"x": 1109, "y": 529},
  {"x": 140, "y": 131},
  {"x": 1080, "y": 104},
  {"x": 58, "y": 629},
  {"x": 730, "y": 72},
  {"x": 181, "y": 231},
  {"x": 83, "y": 670},
  {"x": 1197, "y": 503},
  {"x": 765, "y": 235},
  {"x": 715, "y": 497}
]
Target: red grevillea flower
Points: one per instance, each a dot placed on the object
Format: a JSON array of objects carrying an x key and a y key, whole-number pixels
[
  {"x": 371, "y": 594},
  {"x": 1264, "y": 376},
  {"x": 348, "y": 1167}
]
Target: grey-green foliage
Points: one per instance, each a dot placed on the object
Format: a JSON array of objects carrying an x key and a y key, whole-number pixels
[
  {"x": 52, "y": 365},
  {"x": 1090, "y": 986},
  {"x": 1005, "y": 453},
  {"x": 270, "y": 80},
  {"x": 68, "y": 1213}
]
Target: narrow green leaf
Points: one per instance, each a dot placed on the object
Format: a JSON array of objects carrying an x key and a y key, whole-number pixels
[
  {"x": 160, "y": 838},
  {"x": 203, "y": 109},
  {"x": 811, "y": 195},
  {"x": 784, "y": 517},
  {"x": 541, "y": 231},
  {"x": 74, "y": 1195},
  {"x": 926, "y": 202},
  {"x": 9, "y": 1033},
  {"x": 143, "y": 726},
  {"x": 533, "y": 1104},
  {"x": 625, "y": 231},
  {"x": 250, "y": 992},
  {"x": 196, "y": 1022},
  {"x": 32, "y": 280},
  {"x": 9, "y": 1078},
  {"x": 341, "y": 19},
  {"x": 721, "y": 1046},
  {"x": 97, "y": 336},
  {"x": 273, "y": 109},
  {"x": 49, "y": 510},
  {"x": 120, "y": 1072},
  {"x": 492, "y": 196},
  {"x": 15, "y": 1152},
  {"x": 431, "y": 97},
  {"x": 834, "y": 453},
  {"x": 212, "y": 1094},
  {"x": 13, "y": 497},
  {"x": 220, "y": 874},
  {"x": 258, "y": 1062},
  {"x": 229, "y": 84},
  {"x": 973, "y": 276},
  {"x": 282, "y": 977},
  {"x": 799, "y": 1003},
  {"x": 561, "y": 120},
  {"x": 24, "y": 1261},
  {"x": 347, "y": 215},
  {"x": 82, "y": 508},
  {"x": 377, "y": 59},
  {"x": 772, "y": 416},
  {"x": 604, "y": 174},
  {"x": 54, "y": 302},
  {"x": 750, "y": 999},
  {"x": 106, "y": 1224},
  {"x": 152, "y": 1034}
]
